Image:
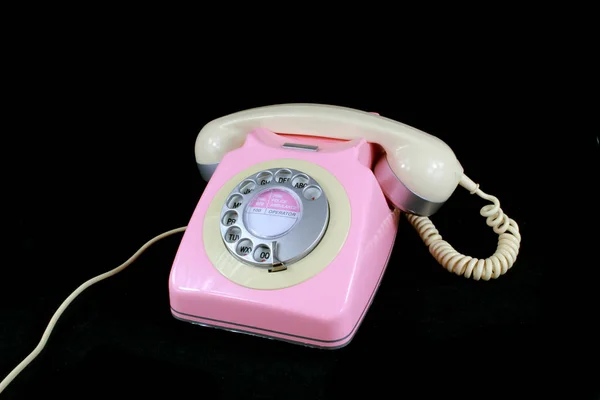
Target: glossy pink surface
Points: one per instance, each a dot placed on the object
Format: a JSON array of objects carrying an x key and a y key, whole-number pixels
[{"x": 325, "y": 310}]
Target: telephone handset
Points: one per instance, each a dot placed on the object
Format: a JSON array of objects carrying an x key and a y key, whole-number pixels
[{"x": 425, "y": 169}]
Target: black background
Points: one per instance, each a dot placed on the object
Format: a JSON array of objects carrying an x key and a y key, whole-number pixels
[{"x": 101, "y": 160}]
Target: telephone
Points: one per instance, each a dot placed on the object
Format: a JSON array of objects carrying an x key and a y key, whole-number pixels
[
  {"x": 294, "y": 230},
  {"x": 293, "y": 233}
]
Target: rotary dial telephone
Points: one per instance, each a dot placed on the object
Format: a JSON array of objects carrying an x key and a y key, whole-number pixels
[{"x": 293, "y": 233}]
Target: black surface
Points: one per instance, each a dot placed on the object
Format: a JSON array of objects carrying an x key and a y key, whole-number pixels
[{"x": 103, "y": 161}]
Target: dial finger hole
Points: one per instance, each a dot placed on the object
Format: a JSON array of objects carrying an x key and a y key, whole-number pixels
[
  {"x": 232, "y": 234},
  {"x": 300, "y": 181},
  {"x": 229, "y": 218},
  {"x": 234, "y": 201},
  {"x": 244, "y": 247},
  {"x": 262, "y": 253},
  {"x": 247, "y": 187},
  {"x": 264, "y": 178},
  {"x": 312, "y": 192},
  {"x": 283, "y": 175}
]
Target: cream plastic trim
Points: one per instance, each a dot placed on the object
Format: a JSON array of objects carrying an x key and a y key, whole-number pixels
[
  {"x": 424, "y": 163},
  {"x": 316, "y": 261}
]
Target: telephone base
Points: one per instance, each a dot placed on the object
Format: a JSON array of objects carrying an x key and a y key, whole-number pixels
[{"x": 320, "y": 299}]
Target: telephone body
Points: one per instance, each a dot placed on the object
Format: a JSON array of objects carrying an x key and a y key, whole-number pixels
[{"x": 294, "y": 231}]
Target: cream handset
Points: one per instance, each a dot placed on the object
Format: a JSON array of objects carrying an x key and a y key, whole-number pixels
[{"x": 426, "y": 169}]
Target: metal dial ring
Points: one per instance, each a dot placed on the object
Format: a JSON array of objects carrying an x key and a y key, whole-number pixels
[{"x": 274, "y": 217}]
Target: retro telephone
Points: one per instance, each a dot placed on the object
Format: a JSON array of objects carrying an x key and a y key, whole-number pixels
[{"x": 293, "y": 232}]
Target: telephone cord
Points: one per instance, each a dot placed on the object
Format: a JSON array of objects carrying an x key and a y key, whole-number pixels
[
  {"x": 17, "y": 370},
  {"x": 499, "y": 263}
]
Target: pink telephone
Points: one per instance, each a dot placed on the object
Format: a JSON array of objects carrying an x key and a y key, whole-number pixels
[{"x": 293, "y": 232}]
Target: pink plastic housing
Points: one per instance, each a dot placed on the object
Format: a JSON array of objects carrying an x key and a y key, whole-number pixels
[{"x": 324, "y": 311}]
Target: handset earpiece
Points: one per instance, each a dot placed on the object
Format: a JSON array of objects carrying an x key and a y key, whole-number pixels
[{"x": 418, "y": 178}]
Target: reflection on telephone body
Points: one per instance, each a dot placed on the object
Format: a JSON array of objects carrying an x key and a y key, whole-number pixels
[{"x": 293, "y": 233}]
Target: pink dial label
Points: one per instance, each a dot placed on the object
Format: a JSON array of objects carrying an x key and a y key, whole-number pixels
[{"x": 273, "y": 212}]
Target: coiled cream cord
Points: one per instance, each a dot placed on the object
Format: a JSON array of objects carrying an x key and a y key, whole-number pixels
[
  {"x": 502, "y": 260},
  {"x": 13, "y": 374}
]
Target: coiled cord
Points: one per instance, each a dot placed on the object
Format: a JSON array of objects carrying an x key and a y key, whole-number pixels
[{"x": 502, "y": 260}]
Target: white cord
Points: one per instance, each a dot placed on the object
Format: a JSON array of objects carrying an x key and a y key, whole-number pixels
[
  {"x": 492, "y": 267},
  {"x": 13, "y": 374}
]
